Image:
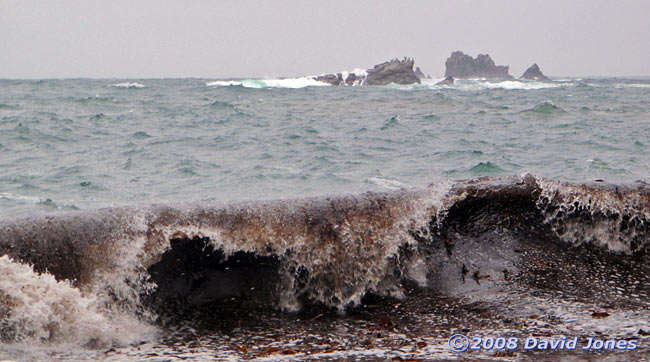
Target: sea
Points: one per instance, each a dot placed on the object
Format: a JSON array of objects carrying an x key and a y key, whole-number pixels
[{"x": 285, "y": 219}]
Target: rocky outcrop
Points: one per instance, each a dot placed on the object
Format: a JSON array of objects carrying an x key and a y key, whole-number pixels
[
  {"x": 332, "y": 79},
  {"x": 446, "y": 81},
  {"x": 392, "y": 72},
  {"x": 395, "y": 71},
  {"x": 461, "y": 65},
  {"x": 534, "y": 73},
  {"x": 420, "y": 74}
]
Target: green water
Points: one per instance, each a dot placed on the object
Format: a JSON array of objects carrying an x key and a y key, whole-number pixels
[{"x": 82, "y": 144}]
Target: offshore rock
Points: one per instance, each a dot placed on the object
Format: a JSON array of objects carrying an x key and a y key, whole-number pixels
[
  {"x": 446, "y": 81},
  {"x": 534, "y": 73},
  {"x": 420, "y": 74},
  {"x": 332, "y": 79},
  {"x": 460, "y": 65},
  {"x": 395, "y": 71}
]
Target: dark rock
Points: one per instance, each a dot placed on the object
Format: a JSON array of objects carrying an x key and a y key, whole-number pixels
[
  {"x": 460, "y": 65},
  {"x": 395, "y": 71},
  {"x": 534, "y": 73},
  {"x": 446, "y": 81},
  {"x": 420, "y": 74},
  {"x": 333, "y": 79},
  {"x": 352, "y": 79}
]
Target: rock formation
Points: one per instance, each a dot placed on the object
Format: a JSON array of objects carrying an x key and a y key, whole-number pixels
[
  {"x": 534, "y": 73},
  {"x": 446, "y": 81},
  {"x": 460, "y": 65},
  {"x": 395, "y": 71},
  {"x": 420, "y": 74}
]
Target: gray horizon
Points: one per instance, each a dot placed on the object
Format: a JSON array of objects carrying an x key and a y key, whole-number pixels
[{"x": 204, "y": 39}]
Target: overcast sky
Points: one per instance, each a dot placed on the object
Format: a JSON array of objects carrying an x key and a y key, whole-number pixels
[{"x": 218, "y": 39}]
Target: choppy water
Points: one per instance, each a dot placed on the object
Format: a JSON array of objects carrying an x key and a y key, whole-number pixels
[
  {"x": 177, "y": 264},
  {"x": 68, "y": 144}
]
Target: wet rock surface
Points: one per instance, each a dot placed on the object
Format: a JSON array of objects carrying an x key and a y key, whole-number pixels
[{"x": 391, "y": 72}]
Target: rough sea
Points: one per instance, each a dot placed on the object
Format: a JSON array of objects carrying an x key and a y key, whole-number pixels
[{"x": 280, "y": 219}]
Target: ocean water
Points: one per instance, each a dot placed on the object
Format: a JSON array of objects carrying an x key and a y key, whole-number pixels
[
  {"x": 266, "y": 219},
  {"x": 84, "y": 144}
]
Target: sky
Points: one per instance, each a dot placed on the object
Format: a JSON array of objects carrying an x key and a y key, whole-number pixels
[{"x": 264, "y": 39}]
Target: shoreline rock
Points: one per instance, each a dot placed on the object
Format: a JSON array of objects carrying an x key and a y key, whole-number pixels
[{"x": 461, "y": 65}]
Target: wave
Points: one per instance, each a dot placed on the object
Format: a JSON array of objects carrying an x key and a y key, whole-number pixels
[
  {"x": 128, "y": 85},
  {"x": 151, "y": 264},
  {"x": 387, "y": 183},
  {"x": 546, "y": 108},
  {"x": 632, "y": 85},
  {"x": 301, "y": 82},
  {"x": 225, "y": 106},
  {"x": 9, "y": 106},
  {"x": 49, "y": 203},
  {"x": 482, "y": 84},
  {"x": 459, "y": 84}
]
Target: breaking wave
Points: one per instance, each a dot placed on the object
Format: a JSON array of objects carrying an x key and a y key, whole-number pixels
[
  {"x": 301, "y": 82},
  {"x": 128, "y": 85},
  {"x": 460, "y": 84},
  {"x": 104, "y": 276},
  {"x": 482, "y": 84}
]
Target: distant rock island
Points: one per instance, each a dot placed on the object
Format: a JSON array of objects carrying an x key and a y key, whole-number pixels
[
  {"x": 420, "y": 74},
  {"x": 461, "y": 65},
  {"x": 534, "y": 73},
  {"x": 394, "y": 71}
]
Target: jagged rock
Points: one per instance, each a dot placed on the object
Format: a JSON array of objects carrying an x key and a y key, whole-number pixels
[
  {"x": 460, "y": 65},
  {"x": 394, "y": 71},
  {"x": 446, "y": 81},
  {"x": 333, "y": 79},
  {"x": 420, "y": 74},
  {"x": 534, "y": 73},
  {"x": 352, "y": 79}
]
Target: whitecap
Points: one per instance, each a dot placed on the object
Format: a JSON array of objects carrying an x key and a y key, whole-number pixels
[
  {"x": 481, "y": 84},
  {"x": 271, "y": 83},
  {"x": 387, "y": 183},
  {"x": 632, "y": 85},
  {"x": 223, "y": 83},
  {"x": 128, "y": 85}
]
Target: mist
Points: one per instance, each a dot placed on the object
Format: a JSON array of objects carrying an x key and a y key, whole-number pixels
[{"x": 220, "y": 39}]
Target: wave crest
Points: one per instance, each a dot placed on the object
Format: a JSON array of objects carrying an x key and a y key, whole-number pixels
[
  {"x": 155, "y": 261},
  {"x": 301, "y": 82}
]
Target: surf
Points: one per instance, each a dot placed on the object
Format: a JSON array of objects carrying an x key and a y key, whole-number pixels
[{"x": 161, "y": 263}]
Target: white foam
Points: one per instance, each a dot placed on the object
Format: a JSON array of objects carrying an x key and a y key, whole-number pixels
[
  {"x": 481, "y": 84},
  {"x": 223, "y": 83},
  {"x": 605, "y": 232},
  {"x": 632, "y": 85},
  {"x": 301, "y": 82},
  {"x": 360, "y": 72},
  {"x": 36, "y": 307},
  {"x": 345, "y": 75},
  {"x": 128, "y": 85},
  {"x": 15, "y": 197},
  {"x": 387, "y": 183},
  {"x": 515, "y": 84}
]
